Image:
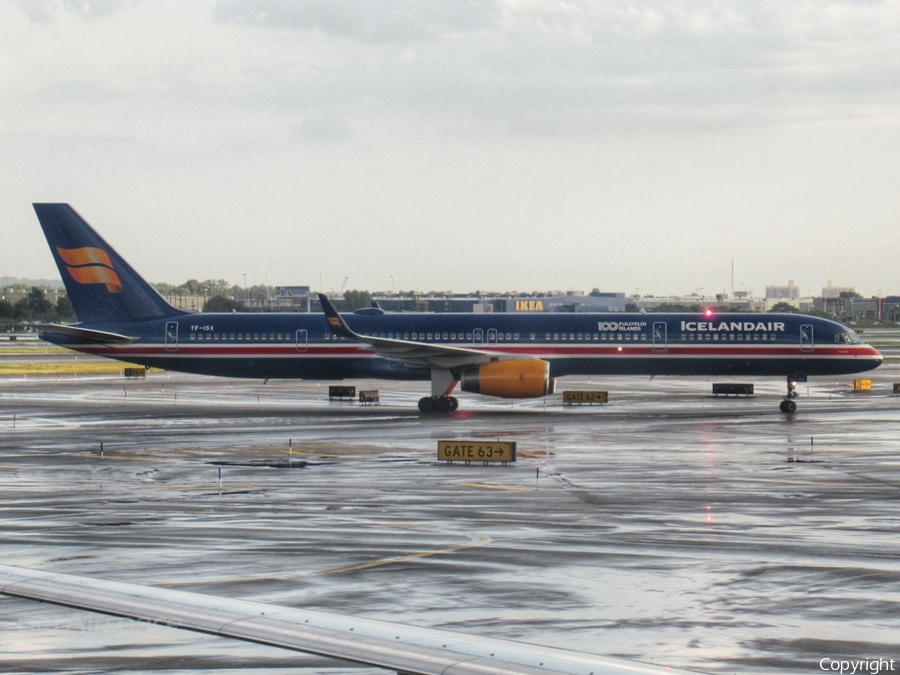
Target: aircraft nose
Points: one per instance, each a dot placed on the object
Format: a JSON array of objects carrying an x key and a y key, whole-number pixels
[{"x": 875, "y": 354}]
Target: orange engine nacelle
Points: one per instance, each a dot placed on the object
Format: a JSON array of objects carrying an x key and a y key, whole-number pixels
[{"x": 509, "y": 379}]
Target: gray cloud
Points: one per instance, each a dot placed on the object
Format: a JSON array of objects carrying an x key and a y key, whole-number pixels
[
  {"x": 323, "y": 127},
  {"x": 386, "y": 21},
  {"x": 578, "y": 67},
  {"x": 44, "y": 10}
]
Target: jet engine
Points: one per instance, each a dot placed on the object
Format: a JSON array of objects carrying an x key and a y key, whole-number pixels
[{"x": 509, "y": 379}]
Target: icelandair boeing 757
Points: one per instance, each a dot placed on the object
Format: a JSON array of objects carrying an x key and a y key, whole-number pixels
[{"x": 121, "y": 316}]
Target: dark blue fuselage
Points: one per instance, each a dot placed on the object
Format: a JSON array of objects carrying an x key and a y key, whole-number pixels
[{"x": 303, "y": 346}]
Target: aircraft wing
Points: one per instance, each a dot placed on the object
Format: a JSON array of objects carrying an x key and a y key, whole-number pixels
[
  {"x": 411, "y": 353},
  {"x": 398, "y": 647}
]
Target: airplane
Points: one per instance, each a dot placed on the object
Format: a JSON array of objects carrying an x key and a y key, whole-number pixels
[
  {"x": 121, "y": 316},
  {"x": 402, "y": 648}
]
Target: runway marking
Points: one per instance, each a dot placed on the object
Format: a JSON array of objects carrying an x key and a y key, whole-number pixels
[
  {"x": 495, "y": 486},
  {"x": 476, "y": 541},
  {"x": 784, "y": 481},
  {"x": 412, "y": 556}
]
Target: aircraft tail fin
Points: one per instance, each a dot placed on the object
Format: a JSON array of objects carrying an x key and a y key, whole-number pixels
[{"x": 100, "y": 284}]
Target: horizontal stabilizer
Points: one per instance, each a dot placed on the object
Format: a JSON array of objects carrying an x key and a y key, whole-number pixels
[{"x": 88, "y": 335}]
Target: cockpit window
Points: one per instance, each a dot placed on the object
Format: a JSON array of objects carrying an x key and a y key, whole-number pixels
[{"x": 848, "y": 339}]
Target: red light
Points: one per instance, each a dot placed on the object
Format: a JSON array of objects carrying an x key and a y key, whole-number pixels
[{"x": 709, "y": 312}]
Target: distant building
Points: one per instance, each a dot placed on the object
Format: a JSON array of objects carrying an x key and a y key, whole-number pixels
[
  {"x": 832, "y": 291},
  {"x": 293, "y": 292},
  {"x": 789, "y": 292},
  {"x": 573, "y": 301},
  {"x": 292, "y": 296}
]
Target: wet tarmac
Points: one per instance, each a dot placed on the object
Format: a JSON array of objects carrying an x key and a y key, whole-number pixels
[{"x": 669, "y": 526}]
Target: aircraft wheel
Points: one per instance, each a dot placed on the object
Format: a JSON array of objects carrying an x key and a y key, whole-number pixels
[
  {"x": 454, "y": 404},
  {"x": 790, "y": 406},
  {"x": 443, "y": 404},
  {"x": 426, "y": 404}
]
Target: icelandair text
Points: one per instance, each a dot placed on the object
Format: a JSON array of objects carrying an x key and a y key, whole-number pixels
[{"x": 712, "y": 326}]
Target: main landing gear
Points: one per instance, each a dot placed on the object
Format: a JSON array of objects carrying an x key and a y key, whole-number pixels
[
  {"x": 789, "y": 405},
  {"x": 441, "y": 404}
]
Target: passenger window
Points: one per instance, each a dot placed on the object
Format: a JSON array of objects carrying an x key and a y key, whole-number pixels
[
  {"x": 515, "y": 336},
  {"x": 772, "y": 336},
  {"x": 193, "y": 336},
  {"x": 765, "y": 336},
  {"x": 556, "y": 336},
  {"x": 643, "y": 337},
  {"x": 428, "y": 337},
  {"x": 446, "y": 337},
  {"x": 406, "y": 336},
  {"x": 756, "y": 336},
  {"x": 603, "y": 336},
  {"x": 216, "y": 336},
  {"x": 563, "y": 336},
  {"x": 596, "y": 337},
  {"x": 231, "y": 337},
  {"x": 209, "y": 336},
  {"x": 580, "y": 336},
  {"x": 256, "y": 336},
  {"x": 692, "y": 336},
  {"x": 628, "y": 336},
  {"x": 740, "y": 336},
  {"x": 468, "y": 336},
  {"x": 619, "y": 337},
  {"x": 683, "y": 337},
  {"x": 547, "y": 337},
  {"x": 531, "y": 336},
  {"x": 716, "y": 337},
  {"x": 263, "y": 337}
]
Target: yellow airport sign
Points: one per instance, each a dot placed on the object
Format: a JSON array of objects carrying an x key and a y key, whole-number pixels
[
  {"x": 476, "y": 451},
  {"x": 862, "y": 384},
  {"x": 570, "y": 397}
]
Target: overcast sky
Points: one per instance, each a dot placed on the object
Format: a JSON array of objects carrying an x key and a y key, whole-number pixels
[{"x": 508, "y": 145}]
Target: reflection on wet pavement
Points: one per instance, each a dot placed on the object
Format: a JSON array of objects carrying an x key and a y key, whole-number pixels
[{"x": 668, "y": 526}]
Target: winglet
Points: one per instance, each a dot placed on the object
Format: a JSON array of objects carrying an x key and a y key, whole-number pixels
[{"x": 335, "y": 321}]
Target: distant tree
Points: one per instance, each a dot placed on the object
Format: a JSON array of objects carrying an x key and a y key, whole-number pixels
[
  {"x": 850, "y": 294},
  {"x": 7, "y": 311},
  {"x": 34, "y": 307},
  {"x": 219, "y": 303},
  {"x": 631, "y": 307},
  {"x": 667, "y": 307},
  {"x": 784, "y": 307},
  {"x": 355, "y": 300},
  {"x": 165, "y": 289},
  {"x": 64, "y": 310}
]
